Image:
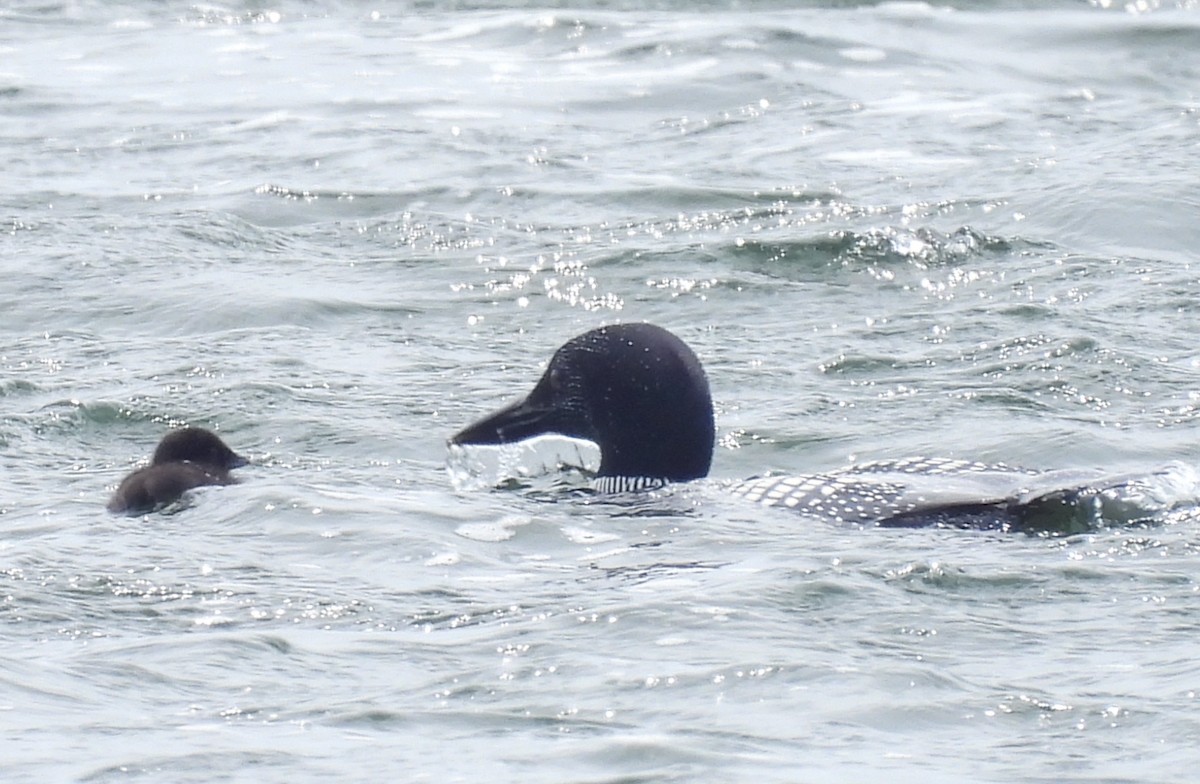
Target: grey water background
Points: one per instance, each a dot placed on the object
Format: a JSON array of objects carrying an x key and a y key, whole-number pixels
[{"x": 338, "y": 231}]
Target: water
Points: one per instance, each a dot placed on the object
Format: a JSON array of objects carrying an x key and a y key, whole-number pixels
[{"x": 337, "y": 232}]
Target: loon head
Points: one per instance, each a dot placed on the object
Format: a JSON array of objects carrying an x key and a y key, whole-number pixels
[
  {"x": 196, "y": 445},
  {"x": 636, "y": 390}
]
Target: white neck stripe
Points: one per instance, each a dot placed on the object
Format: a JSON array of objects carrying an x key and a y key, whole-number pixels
[{"x": 626, "y": 484}]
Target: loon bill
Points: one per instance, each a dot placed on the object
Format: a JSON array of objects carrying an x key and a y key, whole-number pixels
[{"x": 640, "y": 394}]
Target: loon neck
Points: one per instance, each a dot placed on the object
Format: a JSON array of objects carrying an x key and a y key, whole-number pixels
[{"x": 669, "y": 440}]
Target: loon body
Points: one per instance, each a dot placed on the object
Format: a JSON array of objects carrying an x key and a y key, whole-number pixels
[
  {"x": 185, "y": 459},
  {"x": 640, "y": 394}
]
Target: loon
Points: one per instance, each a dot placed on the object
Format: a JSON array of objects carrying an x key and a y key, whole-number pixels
[
  {"x": 640, "y": 393},
  {"x": 186, "y": 458}
]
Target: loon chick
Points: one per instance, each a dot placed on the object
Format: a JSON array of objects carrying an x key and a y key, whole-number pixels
[
  {"x": 186, "y": 458},
  {"x": 640, "y": 394}
]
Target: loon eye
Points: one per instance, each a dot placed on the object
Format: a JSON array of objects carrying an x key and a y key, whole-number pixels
[{"x": 563, "y": 383}]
